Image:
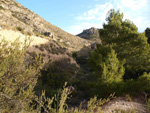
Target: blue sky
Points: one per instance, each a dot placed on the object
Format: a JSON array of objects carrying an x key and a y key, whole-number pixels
[{"x": 75, "y": 15}]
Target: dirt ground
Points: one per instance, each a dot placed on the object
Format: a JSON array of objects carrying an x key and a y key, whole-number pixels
[{"x": 123, "y": 104}]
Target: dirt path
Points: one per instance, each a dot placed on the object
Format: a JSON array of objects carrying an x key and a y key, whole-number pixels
[{"x": 121, "y": 103}]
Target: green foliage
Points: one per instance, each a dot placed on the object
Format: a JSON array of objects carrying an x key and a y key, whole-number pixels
[
  {"x": 93, "y": 103},
  {"x": 93, "y": 106},
  {"x": 128, "y": 97},
  {"x": 20, "y": 29},
  {"x": 1, "y": 8},
  {"x": 127, "y": 43},
  {"x": 124, "y": 52},
  {"x": 56, "y": 104},
  {"x": 74, "y": 55},
  {"x": 116, "y": 28},
  {"x": 148, "y": 104},
  {"x": 55, "y": 74},
  {"x": 17, "y": 79},
  {"x": 147, "y": 34},
  {"x": 123, "y": 55},
  {"x": 62, "y": 103},
  {"x": 107, "y": 67},
  {"x": 134, "y": 87},
  {"x": 108, "y": 70}
]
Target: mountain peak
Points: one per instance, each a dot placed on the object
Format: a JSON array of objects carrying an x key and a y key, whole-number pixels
[
  {"x": 91, "y": 30},
  {"x": 90, "y": 33}
]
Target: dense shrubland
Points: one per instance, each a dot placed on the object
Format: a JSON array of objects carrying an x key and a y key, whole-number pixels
[
  {"x": 19, "y": 78},
  {"x": 120, "y": 65}
]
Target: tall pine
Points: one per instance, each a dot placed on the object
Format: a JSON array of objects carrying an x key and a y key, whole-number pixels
[
  {"x": 130, "y": 45},
  {"x": 106, "y": 65}
]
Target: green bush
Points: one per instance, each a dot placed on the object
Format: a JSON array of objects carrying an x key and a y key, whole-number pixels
[
  {"x": 20, "y": 29},
  {"x": 74, "y": 55},
  {"x": 55, "y": 74},
  {"x": 107, "y": 67},
  {"x": 120, "y": 61},
  {"x": 17, "y": 82},
  {"x": 1, "y": 8},
  {"x": 148, "y": 104},
  {"x": 147, "y": 34},
  {"x": 17, "y": 79},
  {"x": 130, "y": 45}
]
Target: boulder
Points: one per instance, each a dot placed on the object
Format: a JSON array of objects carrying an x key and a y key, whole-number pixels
[
  {"x": 47, "y": 34},
  {"x": 89, "y": 33}
]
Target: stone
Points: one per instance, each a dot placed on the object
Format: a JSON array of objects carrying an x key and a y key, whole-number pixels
[
  {"x": 47, "y": 34},
  {"x": 93, "y": 46},
  {"x": 89, "y": 33}
]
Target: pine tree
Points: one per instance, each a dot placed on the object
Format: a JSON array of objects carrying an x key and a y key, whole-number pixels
[
  {"x": 130, "y": 45},
  {"x": 106, "y": 65},
  {"x": 147, "y": 34}
]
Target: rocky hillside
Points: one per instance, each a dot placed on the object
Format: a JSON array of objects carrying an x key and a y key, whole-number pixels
[
  {"x": 49, "y": 49},
  {"x": 15, "y": 16},
  {"x": 90, "y": 34}
]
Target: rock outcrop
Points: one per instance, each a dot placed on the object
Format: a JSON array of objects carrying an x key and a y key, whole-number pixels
[{"x": 89, "y": 33}]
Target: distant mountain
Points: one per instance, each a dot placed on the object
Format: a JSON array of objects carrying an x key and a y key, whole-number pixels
[{"x": 90, "y": 34}]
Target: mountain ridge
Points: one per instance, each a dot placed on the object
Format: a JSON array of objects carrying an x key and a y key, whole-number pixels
[
  {"x": 91, "y": 33},
  {"x": 14, "y": 15}
]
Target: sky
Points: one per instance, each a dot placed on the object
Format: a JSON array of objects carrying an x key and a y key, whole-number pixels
[{"x": 74, "y": 16}]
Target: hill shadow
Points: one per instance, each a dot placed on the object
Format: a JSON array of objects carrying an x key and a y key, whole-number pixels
[{"x": 62, "y": 67}]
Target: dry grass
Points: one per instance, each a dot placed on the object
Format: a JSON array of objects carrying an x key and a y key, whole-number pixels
[{"x": 10, "y": 36}]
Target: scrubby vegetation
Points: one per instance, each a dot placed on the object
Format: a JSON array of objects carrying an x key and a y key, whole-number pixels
[
  {"x": 18, "y": 80},
  {"x": 148, "y": 104},
  {"x": 120, "y": 65},
  {"x": 20, "y": 29},
  {"x": 1, "y": 8},
  {"x": 147, "y": 33},
  {"x": 121, "y": 62}
]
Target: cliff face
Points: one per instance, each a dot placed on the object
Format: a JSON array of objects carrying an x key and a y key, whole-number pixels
[
  {"x": 90, "y": 33},
  {"x": 14, "y": 15}
]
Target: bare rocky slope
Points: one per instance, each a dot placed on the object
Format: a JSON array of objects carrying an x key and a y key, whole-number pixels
[
  {"x": 49, "y": 49},
  {"x": 123, "y": 105},
  {"x": 15, "y": 16},
  {"x": 90, "y": 34}
]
